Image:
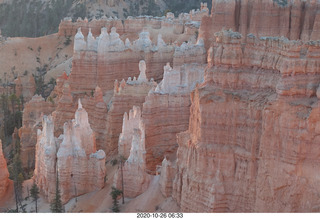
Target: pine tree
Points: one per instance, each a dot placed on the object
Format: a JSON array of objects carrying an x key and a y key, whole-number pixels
[
  {"x": 35, "y": 194},
  {"x": 56, "y": 204},
  {"x": 16, "y": 175},
  {"x": 114, "y": 194}
]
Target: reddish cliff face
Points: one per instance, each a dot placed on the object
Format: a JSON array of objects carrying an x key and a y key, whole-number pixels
[
  {"x": 56, "y": 94},
  {"x": 168, "y": 172},
  {"x": 106, "y": 59},
  {"x": 4, "y": 174},
  {"x": 72, "y": 158},
  {"x": 66, "y": 107},
  {"x": 178, "y": 29},
  {"x": 165, "y": 113},
  {"x": 32, "y": 113},
  {"x": 95, "y": 105},
  {"x": 292, "y": 19},
  {"x": 97, "y": 111},
  {"x": 135, "y": 178},
  {"x": 166, "y": 110},
  {"x": 251, "y": 143},
  {"x": 126, "y": 95},
  {"x": 234, "y": 123}
]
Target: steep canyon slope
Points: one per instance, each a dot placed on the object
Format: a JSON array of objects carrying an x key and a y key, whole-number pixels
[
  {"x": 217, "y": 112},
  {"x": 251, "y": 142}
]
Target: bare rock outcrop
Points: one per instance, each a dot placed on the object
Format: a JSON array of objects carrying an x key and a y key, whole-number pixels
[
  {"x": 56, "y": 94},
  {"x": 46, "y": 158},
  {"x": 166, "y": 111},
  {"x": 189, "y": 53},
  {"x": 292, "y": 19},
  {"x": 179, "y": 28},
  {"x": 109, "y": 58},
  {"x": 4, "y": 174},
  {"x": 168, "y": 171},
  {"x": 97, "y": 110},
  {"x": 135, "y": 178},
  {"x": 250, "y": 146},
  {"x": 72, "y": 158},
  {"x": 95, "y": 106},
  {"x": 31, "y": 122},
  {"x": 129, "y": 124},
  {"x": 65, "y": 109},
  {"x": 126, "y": 95}
]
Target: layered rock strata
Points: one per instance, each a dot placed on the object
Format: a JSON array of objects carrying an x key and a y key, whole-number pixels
[
  {"x": 4, "y": 174},
  {"x": 93, "y": 102},
  {"x": 126, "y": 95},
  {"x": 168, "y": 172},
  {"x": 31, "y": 122},
  {"x": 45, "y": 173},
  {"x": 97, "y": 111},
  {"x": 166, "y": 111},
  {"x": 130, "y": 123},
  {"x": 57, "y": 92},
  {"x": 72, "y": 158},
  {"x": 292, "y": 19},
  {"x": 66, "y": 107},
  {"x": 184, "y": 24},
  {"x": 135, "y": 179},
  {"x": 189, "y": 53},
  {"x": 251, "y": 142},
  {"x": 108, "y": 58}
]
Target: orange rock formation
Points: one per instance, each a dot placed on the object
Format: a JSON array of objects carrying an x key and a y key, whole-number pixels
[
  {"x": 31, "y": 121},
  {"x": 234, "y": 123},
  {"x": 166, "y": 109},
  {"x": 135, "y": 178},
  {"x": 72, "y": 158},
  {"x": 108, "y": 58},
  {"x": 251, "y": 143},
  {"x": 292, "y": 19},
  {"x": 126, "y": 95},
  {"x": 181, "y": 28},
  {"x": 4, "y": 174}
]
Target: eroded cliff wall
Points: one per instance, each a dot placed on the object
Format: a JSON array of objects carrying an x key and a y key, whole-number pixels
[
  {"x": 251, "y": 143},
  {"x": 32, "y": 113},
  {"x": 72, "y": 158},
  {"x": 292, "y": 19}
]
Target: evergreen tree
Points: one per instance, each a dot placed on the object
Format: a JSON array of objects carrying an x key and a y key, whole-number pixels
[
  {"x": 114, "y": 194},
  {"x": 35, "y": 194},
  {"x": 14, "y": 101},
  {"x": 16, "y": 175},
  {"x": 56, "y": 204}
]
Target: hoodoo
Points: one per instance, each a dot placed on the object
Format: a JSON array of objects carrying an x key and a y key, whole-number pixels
[
  {"x": 201, "y": 112},
  {"x": 72, "y": 158}
]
